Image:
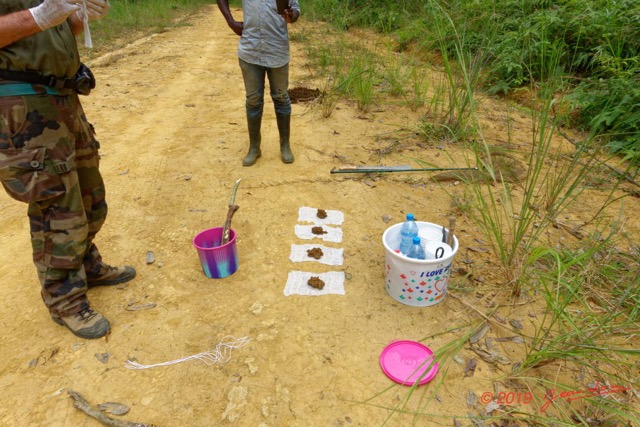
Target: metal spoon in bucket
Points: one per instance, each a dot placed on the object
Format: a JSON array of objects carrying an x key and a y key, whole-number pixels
[{"x": 232, "y": 210}]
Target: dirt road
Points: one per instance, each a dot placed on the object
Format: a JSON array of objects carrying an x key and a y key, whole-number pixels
[{"x": 169, "y": 113}]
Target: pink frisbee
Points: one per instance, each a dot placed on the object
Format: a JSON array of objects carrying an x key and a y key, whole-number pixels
[{"x": 406, "y": 362}]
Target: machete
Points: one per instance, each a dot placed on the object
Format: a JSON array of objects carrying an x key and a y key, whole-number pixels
[{"x": 399, "y": 168}]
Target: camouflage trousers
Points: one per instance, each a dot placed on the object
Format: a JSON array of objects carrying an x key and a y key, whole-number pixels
[{"x": 49, "y": 159}]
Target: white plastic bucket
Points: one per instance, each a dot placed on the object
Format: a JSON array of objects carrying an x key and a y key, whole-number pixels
[{"x": 414, "y": 282}]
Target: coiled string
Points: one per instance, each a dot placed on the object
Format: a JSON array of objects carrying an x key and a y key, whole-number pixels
[{"x": 221, "y": 354}]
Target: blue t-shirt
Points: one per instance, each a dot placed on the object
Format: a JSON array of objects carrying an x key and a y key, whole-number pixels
[{"x": 265, "y": 38}]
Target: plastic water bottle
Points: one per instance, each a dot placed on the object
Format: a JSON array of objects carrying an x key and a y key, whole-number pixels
[
  {"x": 408, "y": 231},
  {"x": 416, "y": 250}
]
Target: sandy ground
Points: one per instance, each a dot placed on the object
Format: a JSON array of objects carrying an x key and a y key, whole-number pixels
[{"x": 169, "y": 113}]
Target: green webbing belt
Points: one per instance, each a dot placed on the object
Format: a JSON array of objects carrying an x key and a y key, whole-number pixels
[{"x": 19, "y": 89}]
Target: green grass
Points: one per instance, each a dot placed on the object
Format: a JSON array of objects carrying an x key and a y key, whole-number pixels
[{"x": 590, "y": 315}]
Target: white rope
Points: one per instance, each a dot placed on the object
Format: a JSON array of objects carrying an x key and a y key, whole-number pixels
[{"x": 221, "y": 354}]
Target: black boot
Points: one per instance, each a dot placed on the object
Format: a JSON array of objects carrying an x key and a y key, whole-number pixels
[
  {"x": 254, "y": 141},
  {"x": 284, "y": 128}
]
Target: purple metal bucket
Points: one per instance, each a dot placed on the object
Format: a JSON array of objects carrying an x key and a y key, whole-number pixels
[{"x": 217, "y": 261}]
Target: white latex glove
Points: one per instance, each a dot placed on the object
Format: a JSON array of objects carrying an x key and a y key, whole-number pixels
[
  {"x": 96, "y": 9},
  {"x": 53, "y": 12}
]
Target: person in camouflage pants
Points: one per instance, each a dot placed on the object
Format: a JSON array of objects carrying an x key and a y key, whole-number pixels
[{"x": 49, "y": 159}]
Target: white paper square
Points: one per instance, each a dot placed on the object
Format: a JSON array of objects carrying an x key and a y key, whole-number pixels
[
  {"x": 307, "y": 214},
  {"x": 330, "y": 256},
  {"x": 333, "y": 234},
  {"x": 297, "y": 283}
]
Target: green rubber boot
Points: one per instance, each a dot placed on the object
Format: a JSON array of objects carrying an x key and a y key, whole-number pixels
[
  {"x": 284, "y": 128},
  {"x": 254, "y": 153}
]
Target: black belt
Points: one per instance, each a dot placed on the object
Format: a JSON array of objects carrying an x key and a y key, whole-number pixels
[
  {"x": 35, "y": 78},
  {"x": 81, "y": 83}
]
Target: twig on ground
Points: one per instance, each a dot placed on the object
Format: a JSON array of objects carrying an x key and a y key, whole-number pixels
[
  {"x": 486, "y": 317},
  {"x": 81, "y": 403},
  {"x": 574, "y": 231},
  {"x": 623, "y": 175}
]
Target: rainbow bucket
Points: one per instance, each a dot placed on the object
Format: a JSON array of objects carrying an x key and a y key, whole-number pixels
[{"x": 218, "y": 261}]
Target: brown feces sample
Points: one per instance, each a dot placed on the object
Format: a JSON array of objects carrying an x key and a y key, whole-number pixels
[
  {"x": 315, "y": 253},
  {"x": 322, "y": 214},
  {"x": 315, "y": 282},
  {"x": 318, "y": 230}
]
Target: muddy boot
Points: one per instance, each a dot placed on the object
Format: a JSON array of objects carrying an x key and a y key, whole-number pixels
[
  {"x": 106, "y": 275},
  {"x": 254, "y": 141},
  {"x": 284, "y": 127},
  {"x": 86, "y": 323}
]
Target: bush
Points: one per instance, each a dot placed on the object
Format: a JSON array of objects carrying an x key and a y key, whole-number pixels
[{"x": 597, "y": 43}]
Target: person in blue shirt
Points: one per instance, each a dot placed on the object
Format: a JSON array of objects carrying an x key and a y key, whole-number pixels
[{"x": 264, "y": 50}]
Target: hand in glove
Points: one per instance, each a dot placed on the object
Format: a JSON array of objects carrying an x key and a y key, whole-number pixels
[
  {"x": 53, "y": 12},
  {"x": 95, "y": 9}
]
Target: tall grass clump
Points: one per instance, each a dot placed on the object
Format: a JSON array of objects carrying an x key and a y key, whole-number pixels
[
  {"x": 350, "y": 72},
  {"x": 419, "y": 86},
  {"x": 451, "y": 109},
  {"x": 396, "y": 74},
  {"x": 514, "y": 224},
  {"x": 588, "y": 316},
  {"x": 357, "y": 80}
]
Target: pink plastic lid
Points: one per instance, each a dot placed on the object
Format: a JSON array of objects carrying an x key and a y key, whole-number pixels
[{"x": 405, "y": 362}]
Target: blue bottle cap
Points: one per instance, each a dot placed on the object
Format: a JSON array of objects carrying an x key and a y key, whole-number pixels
[
  {"x": 409, "y": 217},
  {"x": 416, "y": 240}
]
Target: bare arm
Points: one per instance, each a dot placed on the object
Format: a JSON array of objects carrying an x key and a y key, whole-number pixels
[
  {"x": 77, "y": 26},
  {"x": 16, "y": 26},
  {"x": 236, "y": 26}
]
